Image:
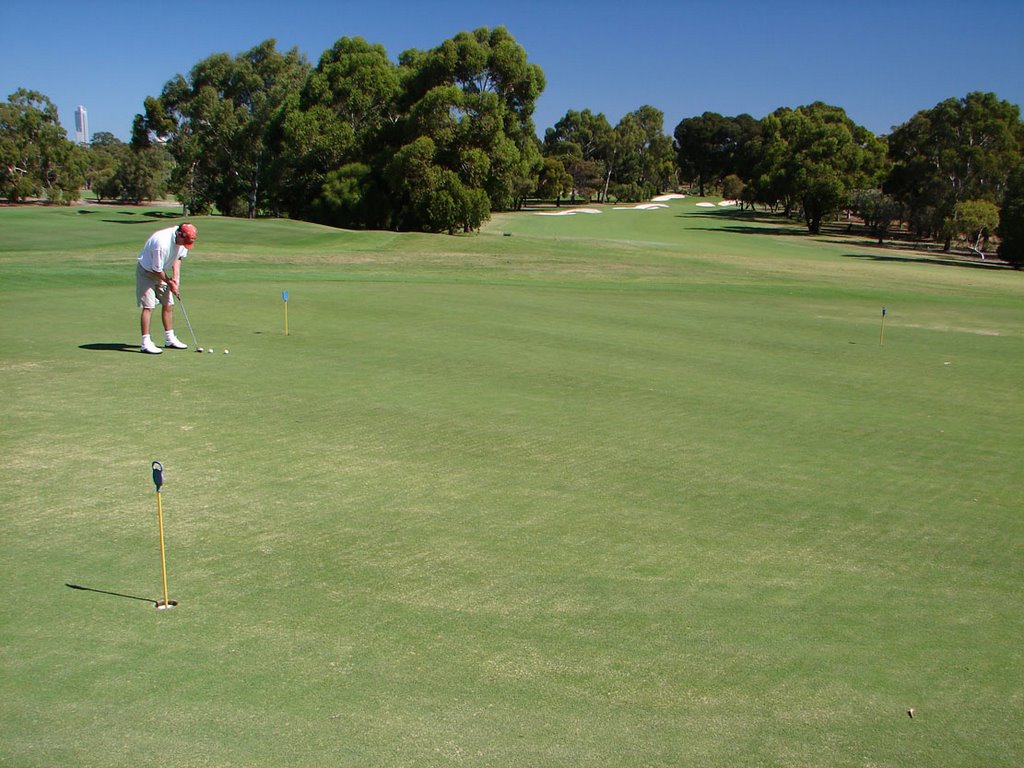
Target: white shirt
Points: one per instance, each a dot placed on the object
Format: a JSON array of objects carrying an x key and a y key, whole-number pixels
[{"x": 159, "y": 253}]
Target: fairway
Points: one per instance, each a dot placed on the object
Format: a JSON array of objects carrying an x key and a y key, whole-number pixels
[{"x": 637, "y": 488}]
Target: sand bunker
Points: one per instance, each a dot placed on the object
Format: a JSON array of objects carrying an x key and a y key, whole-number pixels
[
  {"x": 727, "y": 202},
  {"x": 569, "y": 212},
  {"x": 705, "y": 205},
  {"x": 664, "y": 198},
  {"x": 641, "y": 207}
]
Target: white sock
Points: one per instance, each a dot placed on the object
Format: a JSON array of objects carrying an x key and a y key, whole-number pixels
[
  {"x": 169, "y": 335},
  {"x": 146, "y": 340}
]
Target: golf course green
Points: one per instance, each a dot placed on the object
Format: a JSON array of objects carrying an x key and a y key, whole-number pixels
[{"x": 634, "y": 488}]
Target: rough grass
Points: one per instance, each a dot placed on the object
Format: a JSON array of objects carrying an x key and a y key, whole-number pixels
[{"x": 643, "y": 490}]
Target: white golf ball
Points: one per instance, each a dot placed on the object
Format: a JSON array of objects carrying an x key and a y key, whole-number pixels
[
  {"x": 225, "y": 351},
  {"x": 210, "y": 350},
  {"x": 200, "y": 349}
]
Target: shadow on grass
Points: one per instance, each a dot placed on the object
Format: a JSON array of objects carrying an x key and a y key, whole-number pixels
[
  {"x": 112, "y": 594},
  {"x": 111, "y": 347},
  {"x": 148, "y": 215},
  {"x": 746, "y": 222},
  {"x": 948, "y": 262},
  {"x": 839, "y": 233}
]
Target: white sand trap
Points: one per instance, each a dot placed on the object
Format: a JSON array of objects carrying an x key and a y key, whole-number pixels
[
  {"x": 664, "y": 198},
  {"x": 570, "y": 212},
  {"x": 727, "y": 202},
  {"x": 641, "y": 207},
  {"x": 705, "y": 205}
]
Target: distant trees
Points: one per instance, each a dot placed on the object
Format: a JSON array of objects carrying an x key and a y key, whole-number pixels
[
  {"x": 329, "y": 137},
  {"x": 1011, "y": 219},
  {"x": 814, "y": 157},
  {"x": 584, "y": 144},
  {"x": 36, "y": 157},
  {"x": 438, "y": 139},
  {"x": 711, "y": 147},
  {"x": 959, "y": 150},
  {"x": 432, "y": 143},
  {"x": 643, "y": 164},
  {"x": 630, "y": 161},
  {"x": 466, "y": 132},
  {"x": 217, "y": 123},
  {"x": 878, "y": 210}
]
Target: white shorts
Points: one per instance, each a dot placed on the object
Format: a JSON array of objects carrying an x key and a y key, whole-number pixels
[{"x": 149, "y": 292}]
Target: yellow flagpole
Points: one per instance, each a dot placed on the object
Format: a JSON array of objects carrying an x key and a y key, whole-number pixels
[{"x": 163, "y": 556}]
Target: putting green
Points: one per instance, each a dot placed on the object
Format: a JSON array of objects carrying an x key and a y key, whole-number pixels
[{"x": 637, "y": 488}]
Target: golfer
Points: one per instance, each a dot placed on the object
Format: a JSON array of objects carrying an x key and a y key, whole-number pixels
[{"x": 157, "y": 276}]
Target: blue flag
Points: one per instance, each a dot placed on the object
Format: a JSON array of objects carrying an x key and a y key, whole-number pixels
[
  {"x": 284, "y": 295},
  {"x": 883, "y": 311},
  {"x": 158, "y": 475}
]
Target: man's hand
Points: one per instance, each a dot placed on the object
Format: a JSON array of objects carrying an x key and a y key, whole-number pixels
[{"x": 173, "y": 285}]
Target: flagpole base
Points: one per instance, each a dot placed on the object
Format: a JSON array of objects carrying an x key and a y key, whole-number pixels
[{"x": 164, "y": 606}]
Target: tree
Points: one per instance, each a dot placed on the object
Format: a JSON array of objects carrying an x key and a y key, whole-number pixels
[
  {"x": 329, "y": 135},
  {"x": 472, "y": 97},
  {"x": 584, "y": 143},
  {"x": 814, "y": 156},
  {"x": 218, "y": 122},
  {"x": 36, "y": 157},
  {"x": 973, "y": 222},
  {"x": 554, "y": 180},
  {"x": 960, "y": 149},
  {"x": 732, "y": 187},
  {"x": 698, "y": 148},
  {"x": 102, "y": 158},
  {"x": 1011, "y": 220},
  {"x": 644, "y": 159},
  {"x": 711, "y": 147},
  {"x": 877, "y": 209}
]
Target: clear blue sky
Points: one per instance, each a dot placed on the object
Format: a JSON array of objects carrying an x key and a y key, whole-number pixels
[{"x": 881, "y": 60}]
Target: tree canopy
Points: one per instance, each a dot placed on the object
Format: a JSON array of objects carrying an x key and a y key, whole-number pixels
[
  {"x": 438, "y": 139},
  {"x": 36, "y": 157},
  {"x": 959, "y": 150}
]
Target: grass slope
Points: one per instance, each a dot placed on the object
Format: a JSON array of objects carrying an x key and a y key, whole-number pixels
[{"x": 638, "y": 488}]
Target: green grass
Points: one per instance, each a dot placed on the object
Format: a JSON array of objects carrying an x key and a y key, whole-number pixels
[{"x": 640, "y": 488}]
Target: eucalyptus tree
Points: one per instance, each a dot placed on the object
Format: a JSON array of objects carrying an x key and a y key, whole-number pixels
[
  {"x": 473, "y": 97},
  {"x": 959, "y": 150},
  {"x": 710, "y": 147},
  {"x": 217, "y": 122},
  {"x": 1011, "y": 219},
  {"x": 813, "y": 157},
  {"x": 326, "y": 137},
  {"x": 36, "y": 157},
  {"x": 584, "y": 144},
  {"x": 644, "y": 162}
]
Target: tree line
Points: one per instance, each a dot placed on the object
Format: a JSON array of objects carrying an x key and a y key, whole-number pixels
[{"x": 439, "y": 139}]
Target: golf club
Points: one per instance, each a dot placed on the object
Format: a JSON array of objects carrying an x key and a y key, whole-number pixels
[{"x": 195, "y": 341}]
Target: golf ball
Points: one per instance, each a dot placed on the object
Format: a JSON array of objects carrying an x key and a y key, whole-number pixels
[
  {"x": 210, "y": 350},
  {"x": 199, "y": 350},
  {"x": 225, "y": 351}
]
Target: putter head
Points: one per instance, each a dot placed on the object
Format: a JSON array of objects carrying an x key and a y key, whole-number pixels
[{"x": 158, "y": 475}]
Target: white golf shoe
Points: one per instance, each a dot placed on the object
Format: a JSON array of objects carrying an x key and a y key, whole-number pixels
[
  {"x": 150, "y": 348},
  {"x": 173, "y": 342}
]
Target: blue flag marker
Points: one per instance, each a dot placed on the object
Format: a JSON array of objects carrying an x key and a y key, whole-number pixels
[
  {"x": 158, "y": 475},
  {"x": 883, "y": 308},
  {"x": 284, "y": 295}
]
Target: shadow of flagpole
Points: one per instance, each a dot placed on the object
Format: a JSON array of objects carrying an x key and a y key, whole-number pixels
[{"x": 115, "y": 594}]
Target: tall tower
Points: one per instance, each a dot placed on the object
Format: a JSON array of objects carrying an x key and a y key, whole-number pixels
[{"x": 81, "y": 126}]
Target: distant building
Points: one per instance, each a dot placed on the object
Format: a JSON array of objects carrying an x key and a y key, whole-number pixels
[{"x": 81, "y": 125}]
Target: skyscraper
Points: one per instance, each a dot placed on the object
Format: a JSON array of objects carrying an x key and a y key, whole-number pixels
[{"x": 81, "y": 126}]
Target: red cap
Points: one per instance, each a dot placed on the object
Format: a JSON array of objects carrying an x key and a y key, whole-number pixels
[{"x": 188, "y": 234}]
